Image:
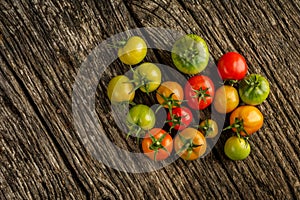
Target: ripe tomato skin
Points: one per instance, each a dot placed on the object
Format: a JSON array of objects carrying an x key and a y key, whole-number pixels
[
  {"x": 254, "y": 89},
  {"x": 251, "y": 117},
  {"x": 236, "y": 148},
  {"x": 148, "y": 76},
  {"x": 134, "y": 51},
  {"x": 232, "y": 66},
  {"x": 119, "y": 89},
  {"x": 226, "y": 99},
  {"x": 190, "y": 152},
  {"x": 166, "y": 89},
  {"x": 149, "y": 146},
  {"x": 182, "y": 117},
  {"x": 190, "y": 54},
  {"x": 142, "y": 116},
  {"x": 199, "y": 92}
]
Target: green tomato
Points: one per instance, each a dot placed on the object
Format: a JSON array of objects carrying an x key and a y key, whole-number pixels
[
  {"x": 237, "y": 148},
  {"x": 120, "y": 89},
  {"x": 140, "y": 116},
  {"x": 133, "y": 51},
  {"x": 254, "y": 89},
  {"x": 147, "y": 77},
  {"x": 190, "y": 54}
]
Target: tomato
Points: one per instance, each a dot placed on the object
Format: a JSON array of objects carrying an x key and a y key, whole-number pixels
[
  {"x": 237, "y": 148},
  {"x": 120, "y": 89},
  {"x": 147, "y": 77},
  {"x": 232, "y": 66},
  {"x": 209, "y": 128},
  {"x": 180, "y": 118},
  {"x": 133, "y": 51},
  {"x": 157, "y": 144},
  {"x": 190, "y": 54},
  {"x": 190, "y": 144},
  {"x": 246, "y": 120},
  {"x": 199, "y": 92},
  {"x": 140, "y": 117},
  {"x": 254, "y": 89},
  {"x": 169, "y": 94},
  {"x": 226, "y": 99}
]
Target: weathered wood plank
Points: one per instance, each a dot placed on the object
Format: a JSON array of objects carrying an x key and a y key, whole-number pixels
[
  {"x": 42, "y": 47},
  {"x": 243, "y": 33}
]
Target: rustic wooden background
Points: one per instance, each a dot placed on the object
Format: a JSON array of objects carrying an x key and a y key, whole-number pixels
[{"x": 43, "y": 44}]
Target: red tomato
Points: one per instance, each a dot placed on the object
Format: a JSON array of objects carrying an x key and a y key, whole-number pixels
[
  {"x": 232, "y": 66},
  {"x": 199, "y": 92},
  {"x": 157, "y": 144},
  {"x": 180, "y": 118}
]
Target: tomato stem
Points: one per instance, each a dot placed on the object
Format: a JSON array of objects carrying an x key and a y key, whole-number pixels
[
  {"x": 132, "y": 103},
  {"x": 253, "y": 81},
  {"x": 206, "y": 129},
  {"x": 239, "y": 126},
  {"x": 231, "y": 82},
  {"x": 140, "y": 81},
  {"x": 135, "y": 130},
  {"x": 156, "y": 144},
  {"x": 188, "y": 145},
  {"x": 201, "y": 94},
  {"x": 170, "y": 102},
  {"x": 189, "y": 54},
  {"x": 118, "y": 44},
  {"x": 176, "y": 120},
  {"x": 158, "y": 108}
]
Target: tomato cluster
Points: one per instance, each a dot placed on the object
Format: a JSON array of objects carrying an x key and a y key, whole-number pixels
[
  {"x": 190, "y": 55},
  {"x": 245, "y": 119}
]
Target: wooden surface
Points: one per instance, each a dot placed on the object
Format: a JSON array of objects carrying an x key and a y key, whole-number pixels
[{"x": 43, "y": 44}]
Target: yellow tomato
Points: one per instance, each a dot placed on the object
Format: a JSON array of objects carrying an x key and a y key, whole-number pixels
[
  {"x": 226, "y": 99},
  {"x": 134, "y": 51}
]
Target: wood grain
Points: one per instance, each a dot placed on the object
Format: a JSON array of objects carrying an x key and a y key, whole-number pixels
[{"x": 44, "y": 43}]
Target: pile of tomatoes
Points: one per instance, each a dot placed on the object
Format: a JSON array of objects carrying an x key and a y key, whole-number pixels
[
  {"x": 190, "y": 56},
  {"x": 249, "y": 91}
]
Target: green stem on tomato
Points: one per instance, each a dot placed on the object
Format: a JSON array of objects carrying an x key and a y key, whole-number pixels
[
  {"x": 156, "y": 144},
  {"x": 239, "y": 126}
]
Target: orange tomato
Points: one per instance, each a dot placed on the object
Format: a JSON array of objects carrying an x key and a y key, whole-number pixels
[
  {"x": 226, "y": 99},
  {"x": 245, "y": 120},
  {"x": 190, "y": 144},
  {"x": 169, "y": 94},
  {"x": 157, "y": 144}
]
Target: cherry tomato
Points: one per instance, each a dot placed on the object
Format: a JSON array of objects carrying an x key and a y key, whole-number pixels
[
  {"x": 140, "y": 117},
  {"x": 254, "y": 89},
  {"x": 226, "y": 99},
  {"x": 209, "y": 128},
  {"x": 190, "y": 54},
  {"x": 245, "y": 120},
  {"x": 169, "y": 94},
  {"x": 236, "y": 148},
  {"x": 199, "y": 92},
  {"x": 147, "y": 77},
  {"x": 180, "y": 118},
  {"x": 232, "y": 66},
  {"x": 157, "y": 144},
  {"x": 190, "y": 144},
  {"x": 120, "y": 89},
  {"x": 133, "y": 51}
]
